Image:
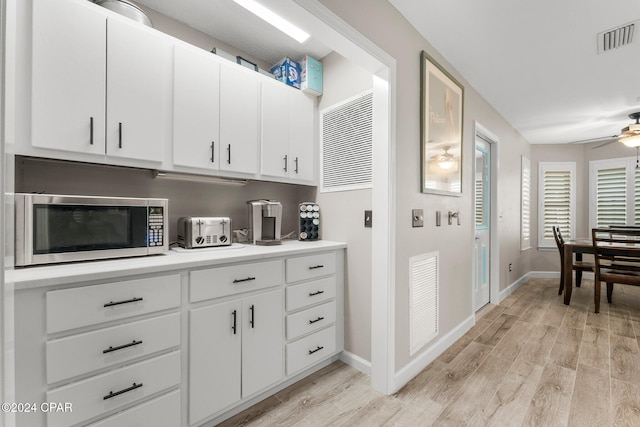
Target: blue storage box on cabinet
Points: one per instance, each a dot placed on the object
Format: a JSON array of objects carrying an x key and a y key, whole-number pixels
[
  {"x": 287, "y": 71},
  {"x": 311, "y": 75}
]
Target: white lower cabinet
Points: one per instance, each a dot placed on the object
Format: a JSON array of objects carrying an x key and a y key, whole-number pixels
[
  {"x": 181, "y": 349},
  {"x": 163, "y": 411},
  {"x": 235, "y": 350},
  {"x": 115, "y": 389}
]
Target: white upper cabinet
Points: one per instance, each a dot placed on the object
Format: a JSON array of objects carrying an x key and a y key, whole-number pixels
[
  {"x": 196, "y": 108},
  {"x": 275, "y": 129},
  {"x": 287, "y": 133},
  {"x": 303, "y": 148},
  {"x": 95, "y": 91},
  {"x": 137, "y": 62},
  {"x": 239, "y": 93},
  {"x": 68, "y": 76}
]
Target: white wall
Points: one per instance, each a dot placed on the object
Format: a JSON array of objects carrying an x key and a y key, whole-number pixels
[
  {"x": 388, "y": 29},
  {"x": 343, "y": 214},
  {"x": 185, "y": 198}
]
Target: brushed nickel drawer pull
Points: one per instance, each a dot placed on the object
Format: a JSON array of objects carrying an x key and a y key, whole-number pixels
[
  {"x": 316, "y": 350},
  {"x": 317, "y": 320},
  {"x": 111, "y": 304},
  {"x": 117, "y": 393},
  {"x": 248, "y": 279},
  {"x": 316, "y": 266},
  {"x": 313, "y": 294},
  {"x": 120, "y": 347}
]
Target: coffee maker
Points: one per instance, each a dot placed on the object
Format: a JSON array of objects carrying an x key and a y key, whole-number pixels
[{"x": 265, "y": 221}]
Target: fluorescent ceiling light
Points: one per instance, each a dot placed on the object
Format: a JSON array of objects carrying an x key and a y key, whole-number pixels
[{"x": 274, "y": 19}]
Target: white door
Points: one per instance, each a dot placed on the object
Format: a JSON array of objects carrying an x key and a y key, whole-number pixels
[
  {"x": 214, "y": 358},
  {"x": 262, "y": 341},
  {"x": 69, "y": 73},
  {"x": 275, "y": 129},
  {"x": 196, "y": 109},
  {"x": 302, "y": 137},
  {"x": 482, "y": 254},
  {"x": 239, "y": 124},
  {"x": 137, "y": 63}
]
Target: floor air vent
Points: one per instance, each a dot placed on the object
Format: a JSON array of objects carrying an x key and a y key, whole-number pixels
[
  {"x": 616, "y": 37},
  {"x": 423, "y": 299},
  {"x": 347, "y": 136}
]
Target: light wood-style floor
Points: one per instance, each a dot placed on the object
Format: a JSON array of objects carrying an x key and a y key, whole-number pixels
[{"x": 530, "y": 361}]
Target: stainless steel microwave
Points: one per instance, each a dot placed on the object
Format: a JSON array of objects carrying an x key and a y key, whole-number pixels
[{"x": 57, "y": 228}]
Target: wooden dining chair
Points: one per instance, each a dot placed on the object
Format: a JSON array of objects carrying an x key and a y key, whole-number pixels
[
  {"x": 617, "y": 259},
  {"x": 578, "y": 265}
]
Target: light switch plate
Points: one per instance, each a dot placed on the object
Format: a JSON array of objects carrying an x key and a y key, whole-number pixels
[
  {"x": 417, "y": 216},
  {"x": 368, "y": 219}
]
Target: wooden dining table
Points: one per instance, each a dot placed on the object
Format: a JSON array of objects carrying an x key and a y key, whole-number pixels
[{"x": 578, "y": 247}]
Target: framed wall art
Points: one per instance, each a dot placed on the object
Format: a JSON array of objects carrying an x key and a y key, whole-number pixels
[{"x": 441, "y": 114}]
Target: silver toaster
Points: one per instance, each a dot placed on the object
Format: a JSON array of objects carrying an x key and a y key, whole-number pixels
[{"x": 204, "y": 232}]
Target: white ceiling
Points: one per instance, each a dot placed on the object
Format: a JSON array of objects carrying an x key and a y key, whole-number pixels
[
  {"x": 536, "y": 62},
  {"x": 226, "y": 21}
]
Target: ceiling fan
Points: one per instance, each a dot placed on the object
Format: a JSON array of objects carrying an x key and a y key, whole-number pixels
[
  {"x": 444, "y": 160},
  {"x": 629, "y": 136}
]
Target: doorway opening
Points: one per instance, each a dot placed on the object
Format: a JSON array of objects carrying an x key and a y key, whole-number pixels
[{"x": 485, "y": 249}]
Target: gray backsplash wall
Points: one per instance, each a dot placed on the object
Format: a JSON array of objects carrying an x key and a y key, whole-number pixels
[{"x": 185, "y": 198}]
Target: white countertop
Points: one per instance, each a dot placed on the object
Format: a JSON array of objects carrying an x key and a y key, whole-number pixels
[{"x": 49, "y": 275}]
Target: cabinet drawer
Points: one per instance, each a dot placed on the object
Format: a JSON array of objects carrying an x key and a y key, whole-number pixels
[
  {"x": 310, "y": 267},
  {"x": 309, "y": 350},
  {"x": 222, "y": 281},
  {"x": 90, "y": 305},
  {"x": 310, "y": 320},
  {"x": 163, "y": 411},
  {"x": 83, "y": 353},
  {"x": 309, "y": 293},
  {"x": 90, "y": 398}
]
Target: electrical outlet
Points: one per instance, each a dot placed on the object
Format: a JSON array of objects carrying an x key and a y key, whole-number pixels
[{"x": 510, "y": 267}]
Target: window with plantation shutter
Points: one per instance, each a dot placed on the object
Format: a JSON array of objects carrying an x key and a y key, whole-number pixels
[
  {"x": 614, "y": 192},
  {"x": 611, "y": 197},
  {"x": 556, "y": 199},
  {"x": 525, "y": 207}
]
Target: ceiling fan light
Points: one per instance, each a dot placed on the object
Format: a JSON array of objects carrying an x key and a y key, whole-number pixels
[
  {"x": 445, "y": 163},
  {"x": 630, "y": 141}
]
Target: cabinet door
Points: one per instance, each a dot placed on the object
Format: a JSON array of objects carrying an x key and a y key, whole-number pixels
[
  {"x": 303, "y": 148},
  {"x": 136, "y": 95},
  {"x": 239, "y": 90},
  {"x": 196, "y": 109},
  {"x": 275, "y": 129},
  {"x": 68, "y": 76},
  {"x": 214, "y": 359},
  {"x": 262, "y": 341}
]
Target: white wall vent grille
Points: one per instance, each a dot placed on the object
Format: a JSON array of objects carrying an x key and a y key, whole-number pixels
[
  {"x": 616, "y": 37},
  {"x": 424, "y": 289},
  {"x": 347, "y": 134}
]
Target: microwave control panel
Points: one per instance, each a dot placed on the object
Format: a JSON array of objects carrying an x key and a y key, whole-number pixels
[{"x": 156, "y": 227}]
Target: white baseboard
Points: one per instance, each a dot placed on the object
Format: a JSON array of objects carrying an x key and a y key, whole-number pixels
[
  {"x": 512, "y": 287},
  {"x": 429, "y": 355},
  {"x": 357, "y": 362}
]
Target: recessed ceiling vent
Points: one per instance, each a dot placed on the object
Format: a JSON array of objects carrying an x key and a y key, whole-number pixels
[{"x": 616, "y": 37}]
